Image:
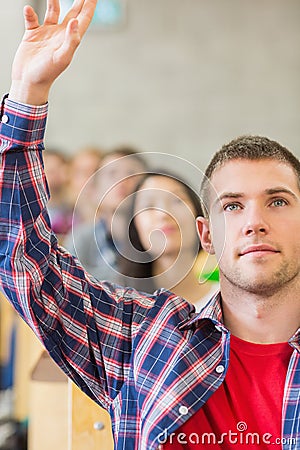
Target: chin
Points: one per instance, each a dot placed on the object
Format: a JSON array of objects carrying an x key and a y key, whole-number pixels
[{"x": 265, "y": 288}]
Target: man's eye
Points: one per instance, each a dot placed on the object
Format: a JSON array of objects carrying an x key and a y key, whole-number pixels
[
  {"x": 231, "y": 207},
  {"x": 279, "y": 202}
]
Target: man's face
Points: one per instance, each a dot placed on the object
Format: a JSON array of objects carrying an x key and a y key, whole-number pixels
[{"x": 259, "y": 203}]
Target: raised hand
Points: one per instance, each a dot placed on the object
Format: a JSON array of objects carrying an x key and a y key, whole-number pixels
[{"x": 46, "y": 50}]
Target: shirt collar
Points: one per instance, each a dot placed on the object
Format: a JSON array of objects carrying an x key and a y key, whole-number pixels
[
  {"x": 212, "y": 311},
  {"x": 295, "y": 340}
]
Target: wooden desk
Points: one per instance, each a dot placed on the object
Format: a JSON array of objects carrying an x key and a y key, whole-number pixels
[
  {"x": 90, "y": 424},
  {"x": 61, "y": 417}
]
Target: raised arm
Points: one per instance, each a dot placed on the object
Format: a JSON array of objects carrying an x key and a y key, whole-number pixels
[
  {"x": 46, "y": 50},
  {"x": 75, "y": 317}
]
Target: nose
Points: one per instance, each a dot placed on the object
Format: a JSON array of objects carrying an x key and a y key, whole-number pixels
[
  {"x": 163, "y": 205},
  {"x": 255, "y": 222},
  {"x": 162, "y": 213}
]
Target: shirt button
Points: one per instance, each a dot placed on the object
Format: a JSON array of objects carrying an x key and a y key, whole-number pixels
[
  {"x": 220, "y": 368},
  {"x": 5, "y": 118},
  {"x": 183, "y": 410}
]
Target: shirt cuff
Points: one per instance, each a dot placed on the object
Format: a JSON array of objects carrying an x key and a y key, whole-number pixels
[{"x": 23, "y": 124}]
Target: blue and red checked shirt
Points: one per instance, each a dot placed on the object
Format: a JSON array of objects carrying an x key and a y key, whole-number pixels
[{"x": 148, "y": 359}]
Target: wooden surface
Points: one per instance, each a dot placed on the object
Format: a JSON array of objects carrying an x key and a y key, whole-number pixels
[
  {"x": 61, "y": 417},
  {"x": 23, "y": 365},
  {"x": 7, "y": 318},
  {"x": 48, "y": 420},
  {"x": 84, "y": 415}
]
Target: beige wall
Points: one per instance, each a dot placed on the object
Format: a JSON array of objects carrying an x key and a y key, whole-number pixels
[{"x": 181, "y": 77}]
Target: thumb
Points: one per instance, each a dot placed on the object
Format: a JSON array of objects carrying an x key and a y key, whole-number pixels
[{"x": 30, "y": 18}]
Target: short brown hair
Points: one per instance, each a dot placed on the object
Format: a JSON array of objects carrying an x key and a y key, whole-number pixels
[{"x": 251, "y": 148}]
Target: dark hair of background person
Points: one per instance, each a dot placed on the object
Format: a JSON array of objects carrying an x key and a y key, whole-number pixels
[
  {"x": 141, "y": 272},
  {"x": 126, "y": 150}
]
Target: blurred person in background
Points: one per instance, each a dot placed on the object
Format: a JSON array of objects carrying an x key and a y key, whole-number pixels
[
  {"x": 163, "y": 247},
  {"x": 97, "y": 244},
  {"x": 82, "y": 168},
  {"x": 60, "y": 212}
]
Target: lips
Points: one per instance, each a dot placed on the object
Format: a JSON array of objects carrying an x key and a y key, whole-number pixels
[
  {"x": 168, "y": 229},
  {"x": 258, "y": 248}
]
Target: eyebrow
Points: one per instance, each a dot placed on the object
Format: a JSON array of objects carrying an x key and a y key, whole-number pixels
[
  {"x": 280, "y": 190},
  {"x": 269, "y": 191},
  {"x": 227, "y": 195}
]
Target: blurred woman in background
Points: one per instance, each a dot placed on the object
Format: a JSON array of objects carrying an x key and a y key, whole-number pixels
[{"x": 161, "y": 249}]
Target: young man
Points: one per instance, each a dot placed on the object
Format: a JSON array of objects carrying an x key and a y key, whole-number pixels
[{"x": 228, "y": 377}]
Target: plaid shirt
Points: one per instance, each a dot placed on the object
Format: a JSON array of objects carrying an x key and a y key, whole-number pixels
[{"x": 149, "y": 359}]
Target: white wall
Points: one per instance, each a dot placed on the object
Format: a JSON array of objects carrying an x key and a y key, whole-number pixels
[{"x": 181, "y": 77}]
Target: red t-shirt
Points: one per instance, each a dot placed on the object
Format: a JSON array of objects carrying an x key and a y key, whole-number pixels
[{"x": 246, "y": 411}]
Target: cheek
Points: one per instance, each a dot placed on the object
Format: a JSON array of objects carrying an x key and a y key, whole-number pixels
[
  {"x": 220, "y": 234},
  {"x": 144, "y": 228},
  {"x": 152, "y": 239}
]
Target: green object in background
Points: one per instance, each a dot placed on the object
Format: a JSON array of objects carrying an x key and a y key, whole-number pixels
[{"x": 210, "y": 276}]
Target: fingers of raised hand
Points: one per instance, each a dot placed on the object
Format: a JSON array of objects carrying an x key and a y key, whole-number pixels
[
  {"x": 52, "y": 12},
  {"x": 83, "y": 10},
  {"x": 30, "y": 18},
  {"x": 75, "y": 9},
  {"x": 72, "y": 39}
]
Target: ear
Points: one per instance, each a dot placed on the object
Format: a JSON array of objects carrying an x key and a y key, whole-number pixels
[{"x": 203, "y": 230}]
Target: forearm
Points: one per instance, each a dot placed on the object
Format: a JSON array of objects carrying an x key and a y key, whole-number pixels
[
  {"x": 23, "y": 196},
  {"x": 22, "y": 129}
]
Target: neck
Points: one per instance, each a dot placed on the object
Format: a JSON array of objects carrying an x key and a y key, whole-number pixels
[{"x": 258, "y": 318}]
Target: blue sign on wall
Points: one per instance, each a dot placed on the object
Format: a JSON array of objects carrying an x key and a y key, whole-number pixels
[{"x": 108, "y": 13}]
